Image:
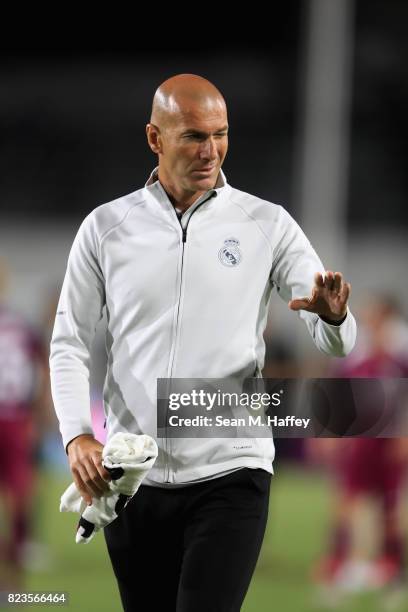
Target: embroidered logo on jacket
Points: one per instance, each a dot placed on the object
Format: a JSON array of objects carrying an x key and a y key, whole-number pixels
[{"x": 229, "y": 254}]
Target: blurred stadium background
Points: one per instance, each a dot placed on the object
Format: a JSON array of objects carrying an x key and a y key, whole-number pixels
[{"x": 318, "y": 124}]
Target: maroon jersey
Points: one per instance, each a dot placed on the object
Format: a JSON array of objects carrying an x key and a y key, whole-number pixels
[
  {"x": 370, "y": 464},
  {"x": 378, "y": 365},
  {"x": 20, "y": 352}
]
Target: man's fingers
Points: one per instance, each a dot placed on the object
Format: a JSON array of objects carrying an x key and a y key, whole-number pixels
[
  {"x": 104, "y": 474},
  {"x": 338, "y": 282},
  {"x": 318, "y": 278},
  {"x": 345, "y": 292},
  {"x": 95, "y": 481},
  {"x": 329, "y": 280},
  {"x": 82, "y": 488},
  {"x": 89, "y": 480}
]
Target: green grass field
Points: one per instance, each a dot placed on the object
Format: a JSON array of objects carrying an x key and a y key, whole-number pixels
[{"x": 298, "y": 520}]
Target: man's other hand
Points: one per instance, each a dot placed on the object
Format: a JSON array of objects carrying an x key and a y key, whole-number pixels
[{"x": 85, "y": 460}]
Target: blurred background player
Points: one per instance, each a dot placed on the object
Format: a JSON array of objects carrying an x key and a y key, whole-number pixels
[
  {"x": 368, "y": 468},
  {"x": 24, "y": 416}
]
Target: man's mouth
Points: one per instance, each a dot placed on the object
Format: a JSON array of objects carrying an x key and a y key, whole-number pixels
[{"x": 205, "y": 170}]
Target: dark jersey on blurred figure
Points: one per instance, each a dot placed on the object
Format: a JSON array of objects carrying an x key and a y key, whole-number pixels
[
  {"x": 20, "y": 353},
  {"x": 369, "y": 464}
]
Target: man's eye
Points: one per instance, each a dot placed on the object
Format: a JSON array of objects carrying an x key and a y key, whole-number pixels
[{"x": 199, "y": 137}]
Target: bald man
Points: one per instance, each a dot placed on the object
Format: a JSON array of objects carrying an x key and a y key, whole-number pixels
[{"x": 185, "y": 268}]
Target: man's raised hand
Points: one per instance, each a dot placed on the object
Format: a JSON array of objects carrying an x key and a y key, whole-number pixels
[{"x": 329, "y": 297}]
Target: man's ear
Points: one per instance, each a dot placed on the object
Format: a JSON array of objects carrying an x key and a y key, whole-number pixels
[{"x": 154, "y": 138}]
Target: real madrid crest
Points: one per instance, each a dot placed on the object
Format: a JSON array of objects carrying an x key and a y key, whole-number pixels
[{"x": 230, "y": 255}]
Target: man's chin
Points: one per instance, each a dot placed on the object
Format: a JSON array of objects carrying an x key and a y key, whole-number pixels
[{"x": 204, "y": 183}]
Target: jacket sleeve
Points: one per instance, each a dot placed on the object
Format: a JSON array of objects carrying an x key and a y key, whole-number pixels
[
  {"x": 295, "y": 263},
  {"x": 79, "y": 310}
]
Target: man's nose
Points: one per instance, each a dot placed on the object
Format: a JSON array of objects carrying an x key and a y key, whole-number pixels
[{"x": 208, "y": 149}]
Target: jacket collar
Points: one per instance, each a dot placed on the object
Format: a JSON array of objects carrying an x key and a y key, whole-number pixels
[{"x": 156, "y": 189}]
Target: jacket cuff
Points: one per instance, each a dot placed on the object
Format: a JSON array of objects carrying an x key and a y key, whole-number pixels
[{"x": 335, "y": 323}]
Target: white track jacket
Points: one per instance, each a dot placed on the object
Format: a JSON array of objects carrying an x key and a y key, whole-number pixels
[{"x": 183, "y": 299}]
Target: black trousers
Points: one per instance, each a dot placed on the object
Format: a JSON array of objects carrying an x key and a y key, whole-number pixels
[{"x": 192, "y": 549}]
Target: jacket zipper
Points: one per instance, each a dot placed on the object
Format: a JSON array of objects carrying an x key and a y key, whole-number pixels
[{"x": 176, "y": 330}]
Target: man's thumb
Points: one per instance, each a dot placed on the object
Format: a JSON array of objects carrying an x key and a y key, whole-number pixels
[{"x": 299, "y": 303}]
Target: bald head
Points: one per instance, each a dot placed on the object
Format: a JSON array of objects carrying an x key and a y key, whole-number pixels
[
  {"x": 182, "y": 95},
  {"x": 188, "y": 131}
]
